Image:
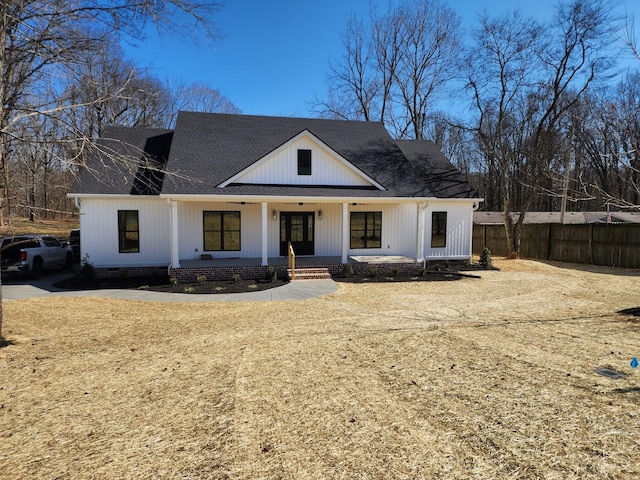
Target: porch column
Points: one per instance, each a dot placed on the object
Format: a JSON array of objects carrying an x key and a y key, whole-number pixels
[
  {"x": 422, "y": 212},
  {"x": 175, "y": 250},
  {"x": 345, "y": 231},
  {"x": 265, "y": 220}
]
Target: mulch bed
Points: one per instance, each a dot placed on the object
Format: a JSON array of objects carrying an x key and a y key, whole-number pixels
[
  {"x": 426, "y": 277},
  {"x": 161, "y": 283}
]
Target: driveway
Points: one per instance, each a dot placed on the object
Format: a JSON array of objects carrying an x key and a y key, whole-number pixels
[{"x": 16, "y": 288}]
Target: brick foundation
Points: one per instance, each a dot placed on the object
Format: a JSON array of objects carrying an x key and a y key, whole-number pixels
[
  {"x": 131, "y": 272},
  {"x": 256, "y": 272}
]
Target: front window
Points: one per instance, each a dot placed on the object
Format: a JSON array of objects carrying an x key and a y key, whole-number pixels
[
  {"x": 128, "y": 231},
  {"x": 366, "y": 229},
  {"x": 221, "y": 231},
  {"x": 438, "y": 229},
  {"x": 304, "y": 162}
]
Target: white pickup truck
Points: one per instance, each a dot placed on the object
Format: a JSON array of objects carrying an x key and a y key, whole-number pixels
[{"x": 34, "y": 254}]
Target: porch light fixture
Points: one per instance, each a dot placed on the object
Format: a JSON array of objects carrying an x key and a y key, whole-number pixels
[
  {"x": 319, "y": 214},
  {"x": 275, "y": 215}
]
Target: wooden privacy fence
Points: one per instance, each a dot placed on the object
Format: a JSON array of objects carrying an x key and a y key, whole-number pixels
[{"x": 615, "y": 245}]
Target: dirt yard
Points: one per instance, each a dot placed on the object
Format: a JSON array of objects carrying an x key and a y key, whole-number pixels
[{"x": 479, "y": 378}]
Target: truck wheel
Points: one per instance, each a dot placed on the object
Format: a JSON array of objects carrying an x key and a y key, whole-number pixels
[
  {"x": 68, "y": 262},
  {"x": 38, "y": 268}
]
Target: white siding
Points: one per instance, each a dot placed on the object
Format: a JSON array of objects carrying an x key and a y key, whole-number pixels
[
  {"x": 99, "y": 227},
  {"x": 399, "y": 229},
  {"x": 327, "y": 236},
  {"x": 281, "y": 168},
  {"x": 191, "y": 234},
  {"x": 99, "y": 224},
  {"x": 459, "y": 225}
]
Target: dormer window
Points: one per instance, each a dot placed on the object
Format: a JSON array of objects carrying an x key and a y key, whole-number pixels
[{"x": 304, "y": 162}]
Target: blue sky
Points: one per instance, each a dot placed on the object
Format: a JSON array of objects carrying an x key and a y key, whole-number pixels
[{"x": 274, "y": 57}]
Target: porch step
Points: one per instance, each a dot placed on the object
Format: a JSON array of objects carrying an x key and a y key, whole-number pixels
[{"x": 310, "y": 273}]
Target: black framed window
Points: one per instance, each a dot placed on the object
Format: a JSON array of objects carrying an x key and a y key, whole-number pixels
[
  {"x": 304, "y": 162},
  {"x": 128, "y": 231},
  {"x": 366, "y": 229},
  {"x": 221, "y": 230},
  {"x": 438, "y": 229}
]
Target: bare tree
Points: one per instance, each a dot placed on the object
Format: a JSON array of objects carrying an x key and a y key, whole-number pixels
[
  {"x": 614, "y": 137},
  {"x": 354, "y": 88},
  {"x": 108, "y": 90},
  {"x": 629, "y": 37},
  {"x": 200, "y": 97},
  {"x": 524, "y": 78},
  {"x": 499, "y": 65},
  {"x": 43, "y": 40},
  {"x": 394, "y": 66}
]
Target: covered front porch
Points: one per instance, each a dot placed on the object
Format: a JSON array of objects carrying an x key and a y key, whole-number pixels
[{"x": 323, "y": 232}]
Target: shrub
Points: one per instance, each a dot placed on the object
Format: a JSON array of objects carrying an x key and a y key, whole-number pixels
[
  {"x": 374, "y": 273},
  {"x": 485, "y": 258},
  {"x": 188, "y": 290},
  {"x": 173, "y": 281},
  {"x": 201, "y": 279},
  {"x": 422, "y": 272},
  {"x": 237, "y": 278},
  {"x": 347, "y": 270},
  {"x": 271, "y": 275},
  {"x": 395, "y": 272},
  {"x": 87, "y": 272}
]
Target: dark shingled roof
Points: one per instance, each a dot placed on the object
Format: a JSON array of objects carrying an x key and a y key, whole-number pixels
[
  {"x": 207, "y": 149},
  {"x": 126, "y": 161},
  {"x": 435, "y": 170}
]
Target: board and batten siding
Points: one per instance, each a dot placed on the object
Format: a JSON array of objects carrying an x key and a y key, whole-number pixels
[
  {"x": 191, "y": 229},
  {"x": 327, "y": 237},
  {"x": 459, "y": 230},
  {"x": 399, "y": 229},
  {"x": 281, "y": 168},
  {"x": 99, "y": 227}
]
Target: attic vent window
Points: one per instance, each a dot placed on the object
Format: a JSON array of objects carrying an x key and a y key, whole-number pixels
[{"x": 304, "y": 162}]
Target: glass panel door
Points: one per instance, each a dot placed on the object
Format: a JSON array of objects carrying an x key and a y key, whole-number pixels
[{"x": 297, "y": 228}]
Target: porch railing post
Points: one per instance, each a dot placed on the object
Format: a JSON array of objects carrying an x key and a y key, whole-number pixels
[{"x": 292, "y": 261}]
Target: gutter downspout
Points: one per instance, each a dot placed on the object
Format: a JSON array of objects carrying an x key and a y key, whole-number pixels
[
  {"x": 422, "y": 209},
  {"x": 475, "y": 207},
  {"x": 175, "y": 250}
]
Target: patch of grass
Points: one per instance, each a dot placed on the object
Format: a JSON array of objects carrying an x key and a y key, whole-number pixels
[
  {"x": 471, "y": 379},
  {"x": 56, "y": 228}
]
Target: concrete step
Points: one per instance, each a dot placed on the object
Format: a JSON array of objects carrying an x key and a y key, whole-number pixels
[{"x": 310, "y": 273}]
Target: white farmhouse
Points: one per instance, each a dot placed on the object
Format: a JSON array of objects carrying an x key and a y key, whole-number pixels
[{"x": 223, "y": 194}]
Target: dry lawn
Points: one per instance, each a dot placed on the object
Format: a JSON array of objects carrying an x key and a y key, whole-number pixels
[
  {"x": 57, "y": 228},
  {"x": 489, "y": 378}
]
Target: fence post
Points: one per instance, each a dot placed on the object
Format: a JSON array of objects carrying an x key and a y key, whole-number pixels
[{"x": 591, "y": 243}]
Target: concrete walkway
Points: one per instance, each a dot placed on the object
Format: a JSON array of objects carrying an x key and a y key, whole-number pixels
[{"x": 15, "y": 289}]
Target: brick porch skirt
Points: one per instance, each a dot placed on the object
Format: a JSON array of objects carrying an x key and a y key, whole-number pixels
[{"x": 252, "y": 272}]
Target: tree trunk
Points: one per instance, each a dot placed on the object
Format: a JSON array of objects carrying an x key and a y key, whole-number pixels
[{"x": 2, "y": 341}]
